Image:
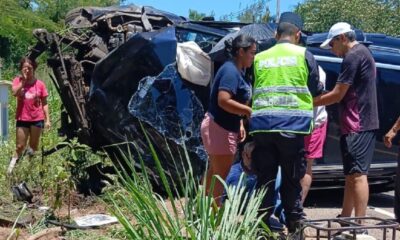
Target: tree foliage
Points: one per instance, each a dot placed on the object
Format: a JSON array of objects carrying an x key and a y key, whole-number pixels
[
  {"x": 16, "y": 24},
  {"x": 256, "y": 12},
  {"x": 197, "y": 16},
  {"x": 56, "y": 10},
  {"x": 381, "y": 16},
  {"x": 20, "y": 17}
]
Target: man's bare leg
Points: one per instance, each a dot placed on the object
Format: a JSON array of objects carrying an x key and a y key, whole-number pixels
[
  {"x": 348, "y": 198},
  {"x": 306, "y": 180},
  {"x": 218, "y": 165},
  {"x": 356, "y": 195},
  {"x": 361, "y": 194}
]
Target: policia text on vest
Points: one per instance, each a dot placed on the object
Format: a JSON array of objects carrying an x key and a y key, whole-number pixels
[{"x": 282, "y": 101}]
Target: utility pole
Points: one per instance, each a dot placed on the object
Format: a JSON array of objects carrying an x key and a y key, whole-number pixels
[{"x": 278, "y": 3}]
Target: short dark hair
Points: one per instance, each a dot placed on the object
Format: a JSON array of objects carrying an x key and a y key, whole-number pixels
[
  {"x": 287, "y": 29},
  {"x": 241, "y": 41},
  {"x": 27, "y": 60},
  {"x": 293, "y": 18},
  {"x": 350, "y": 35}
]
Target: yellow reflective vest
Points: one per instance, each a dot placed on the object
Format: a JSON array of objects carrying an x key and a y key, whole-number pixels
[{"x": 281, "y": 99}]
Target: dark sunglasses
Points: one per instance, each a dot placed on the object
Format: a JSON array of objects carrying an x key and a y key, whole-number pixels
[{"x": 333, "y": 39}]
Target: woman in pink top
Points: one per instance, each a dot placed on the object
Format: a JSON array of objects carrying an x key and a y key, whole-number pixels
[{"x": 32, "y": 114}]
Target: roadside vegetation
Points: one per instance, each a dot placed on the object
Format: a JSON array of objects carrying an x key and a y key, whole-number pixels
[
  {"x": 372, "y": 16},
  {"x": 30, "y": 170},
  {"x": 51, "y": 179}
]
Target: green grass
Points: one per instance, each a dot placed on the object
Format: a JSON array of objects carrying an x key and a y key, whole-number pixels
[{"x": 110, "y": 233}]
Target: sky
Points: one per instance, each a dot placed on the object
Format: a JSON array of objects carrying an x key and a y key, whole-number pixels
[{"x": 220, "y": 7}]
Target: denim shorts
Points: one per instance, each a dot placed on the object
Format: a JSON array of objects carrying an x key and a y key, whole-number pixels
[
  {"x": 28, "y": 124},
  {"x": 357, "y": 151}
]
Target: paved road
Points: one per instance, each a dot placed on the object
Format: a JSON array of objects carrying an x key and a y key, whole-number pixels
[{"x": 327, "y": 204}]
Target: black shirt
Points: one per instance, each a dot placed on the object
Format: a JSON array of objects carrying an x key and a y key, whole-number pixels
[{"x": 358, "y": 109}]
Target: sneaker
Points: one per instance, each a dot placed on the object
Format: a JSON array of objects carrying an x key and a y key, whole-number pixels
[
  {"x": 295, "y": 230},
  {"x": 343, "y": 224},
  {"x": 275, "y": 225},
  {"x": 11, "y": 166},
  {"x": 361, "y": 234}
]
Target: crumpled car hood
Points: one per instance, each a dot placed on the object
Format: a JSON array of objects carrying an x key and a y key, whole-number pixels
[{"x": 139, "y": 82}]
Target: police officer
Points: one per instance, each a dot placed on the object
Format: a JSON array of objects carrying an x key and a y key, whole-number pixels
[{"x": 286, "y": 79}]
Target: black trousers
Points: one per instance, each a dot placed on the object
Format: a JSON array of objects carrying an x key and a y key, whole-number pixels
[{"x": 271, "y": 151}]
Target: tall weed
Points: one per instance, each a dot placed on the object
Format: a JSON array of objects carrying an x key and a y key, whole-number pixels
[{"x": 186, "y": 212}]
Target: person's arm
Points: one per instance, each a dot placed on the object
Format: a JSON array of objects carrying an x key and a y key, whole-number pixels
[
  {"x": 47, "y": 122},
  {"x": 387, "y": 139},
  {"x": 17, "y": 87},
  {"x": 226, "y": 102},
  {"x": 242, "y": 131},
  {"x": 227, "y": 88},
  {"x": 348, "y": 71},
  {"x": 334, "y": 96},
  {"x": 314, "y": 85}
]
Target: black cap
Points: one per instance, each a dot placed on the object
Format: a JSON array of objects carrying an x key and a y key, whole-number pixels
[{"x": 293, "y": 18}]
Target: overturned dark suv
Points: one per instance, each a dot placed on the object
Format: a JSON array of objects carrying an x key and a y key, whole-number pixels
[{"x": 116, "y": 72}]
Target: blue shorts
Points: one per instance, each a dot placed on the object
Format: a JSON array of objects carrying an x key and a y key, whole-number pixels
[
  {"x": 28, "y": 124},
  {"x": 357, "y": 152}
]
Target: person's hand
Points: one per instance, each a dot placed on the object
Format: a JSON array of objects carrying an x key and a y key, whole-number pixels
[
  {"x": 23, "y": 79},
  {"x": 248, "y": 112},
  {"x": 246, "y": 154},
  {"x": 24, "y": 75},
  {"x": 47, "y": 125},
  {"x": 242, "y": 133},
  {"x": 387, "y": 139}
]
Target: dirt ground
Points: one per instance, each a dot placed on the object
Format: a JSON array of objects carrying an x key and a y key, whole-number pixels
[{"x": 80, "y": 206}]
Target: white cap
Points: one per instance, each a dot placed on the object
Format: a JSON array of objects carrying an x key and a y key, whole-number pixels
[{"x": 336, "y": 30}]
